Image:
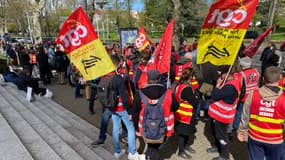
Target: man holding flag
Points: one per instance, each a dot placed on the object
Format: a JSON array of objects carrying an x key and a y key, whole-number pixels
[{"x": 220, "y": 39}]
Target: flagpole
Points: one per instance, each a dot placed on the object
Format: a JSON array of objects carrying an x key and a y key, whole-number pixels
[
  {"x": 168, "y": 83},
  {"x": 224, "y": 80}
]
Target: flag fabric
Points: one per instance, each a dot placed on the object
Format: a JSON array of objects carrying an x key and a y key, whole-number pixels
[
  {"x": 252, "y": 48},
  {"x": 83, "y": 47},
  {"x": 223, "y": 31},
  {"x": 142, "y": 41},
  {"x": 162, "y": 54}
]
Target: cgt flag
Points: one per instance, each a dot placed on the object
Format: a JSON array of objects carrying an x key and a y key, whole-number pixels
[
  {"x": 252, "y": 48},
  {"x": 142, "y": 40},
  {"x": 162, "y": 54},
  {"x": 83, "y": 47},
  {"x": 223, "y": 31}
]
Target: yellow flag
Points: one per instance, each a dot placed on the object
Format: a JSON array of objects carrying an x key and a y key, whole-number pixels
[
  {"x": 83, "y": 47},
  {"x": 223, "y": 31}
]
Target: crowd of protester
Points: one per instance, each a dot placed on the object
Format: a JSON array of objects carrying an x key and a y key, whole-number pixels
[
  {"x": 231, "y": 97},
  {"x": 220, "y": 92}
]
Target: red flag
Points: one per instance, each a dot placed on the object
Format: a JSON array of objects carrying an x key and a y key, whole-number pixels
[
  {"x": 142, "y": 40},
  {"x": 162, "y": 54},
  {"x": 252, "y": 48}
]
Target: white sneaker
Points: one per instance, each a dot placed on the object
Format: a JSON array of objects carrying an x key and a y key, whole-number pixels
[
  {"x": 48, "y": 94},
  {"x": 133, "y": 156},
  {"x": 141, "y": 156},
  {"x": 119, "y": 155}
]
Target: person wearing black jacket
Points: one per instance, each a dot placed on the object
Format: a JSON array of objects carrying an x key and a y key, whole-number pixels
[
  {"x": 44, "y": 66},
  {"x": 25, "y": 80},
  {"x": 184, "y": 94},
  {"x": 122, "y": 113}
]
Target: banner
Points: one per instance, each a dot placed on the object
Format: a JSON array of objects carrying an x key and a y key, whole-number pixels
[
  {"x": 83, "y": 47},
  {"x": 142, "y": 41},
  {"x": 127, "y": 35},
  {"x": 161, "y": 56},
  {"x": 223, "y": 31},
  {"x": 252, "y": 48}
]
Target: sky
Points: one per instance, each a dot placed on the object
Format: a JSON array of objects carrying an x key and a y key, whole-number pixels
[{"x": 137, "y": 5}]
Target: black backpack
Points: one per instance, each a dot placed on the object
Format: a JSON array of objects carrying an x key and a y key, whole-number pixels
[
  {"x": 106, "y": 95},
  {"x": 153, "y": 124}
]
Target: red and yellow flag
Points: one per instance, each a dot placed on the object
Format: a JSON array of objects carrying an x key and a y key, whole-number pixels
[
  {"x": 252, "y": 48},
  {"x": 223, "y": 31},
  {"x": 142, "y": 40},
  {"x": 83, "y": 47}
]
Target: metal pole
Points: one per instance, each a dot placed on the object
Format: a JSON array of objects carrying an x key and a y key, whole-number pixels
[{"x": 108, "y": 27}]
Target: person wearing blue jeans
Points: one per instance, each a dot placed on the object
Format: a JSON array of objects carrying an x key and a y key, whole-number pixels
[
  {"x": 122, "y": 112},
  {"x": 77, "y": 90},
  {"x": 117, "y": 118},
  {"x": 103, "y": 126}
]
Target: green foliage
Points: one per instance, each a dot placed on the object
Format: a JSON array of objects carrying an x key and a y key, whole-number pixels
[{"x": 278, "y": 36}]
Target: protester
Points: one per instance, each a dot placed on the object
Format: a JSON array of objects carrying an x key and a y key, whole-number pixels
[
  {"x": 61, "y": 64},
  {"x": 25, "y": 80},
  {"x": 155, "y": 95},
  {"x": 222, "y": 111},
  {"x": 77, "y": 78},
  {"x": 44, "y": 66},
  {"x": 268, "y": 57},
  {"x": 249, "y": 78},
  {"x": 122, "y": 113},
  {"x": 263, "y": 118},
  {"x": 185, "y": 96}
]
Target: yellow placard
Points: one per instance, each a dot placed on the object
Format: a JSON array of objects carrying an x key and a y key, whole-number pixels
[
  {"x": 92, "y": 60},
  {"x": 219, "y": 46}
]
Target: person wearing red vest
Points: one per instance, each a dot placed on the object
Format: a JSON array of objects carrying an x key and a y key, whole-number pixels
[
  {"x": 222, "y": 110},
  {"x": 33, "y": 58},
  {"x": 180, "y": 66},
  {"x": 249, "y": 79},
  {"x": 140, "y": 78},
  {"x": 154, "y": 91},
  {"x": 263, "y": 118},
  {"x": 184, "y": 94}
]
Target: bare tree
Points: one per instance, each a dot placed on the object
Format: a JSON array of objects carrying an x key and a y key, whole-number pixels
[
  {"x": 176, "y": 16},
  {"x": 36, "y": 8}
]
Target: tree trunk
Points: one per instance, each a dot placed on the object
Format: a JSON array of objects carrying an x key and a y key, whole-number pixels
[
  {"x": 271, "y": 14},
  {"x": 37, "y": 6},
  {"x": 176, "y": 17}
]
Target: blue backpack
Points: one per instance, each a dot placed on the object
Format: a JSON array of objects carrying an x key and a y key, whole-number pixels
[{"x": 153, "y": 124}]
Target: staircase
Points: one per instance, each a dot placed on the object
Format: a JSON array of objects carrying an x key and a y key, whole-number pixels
[{"x": 44, "y": 130}]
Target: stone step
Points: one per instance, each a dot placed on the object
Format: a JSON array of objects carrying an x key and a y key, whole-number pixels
[
  {"x": 11, "y": 147},
  {"x": 62, "y": 126},
  {"x": 78, "y": 127},
  {"x": 20, "y": 104},
  {"x": 33, "y": 142},
  {"x": 75, "y": 131},
  {"x": 58, "y": 126}
]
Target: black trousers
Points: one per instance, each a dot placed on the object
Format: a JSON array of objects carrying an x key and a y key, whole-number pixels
[
  {"x": 221, "y": 138},
  {"x": 92, "y": 99},
  {"x": 152, "y": 152}
]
